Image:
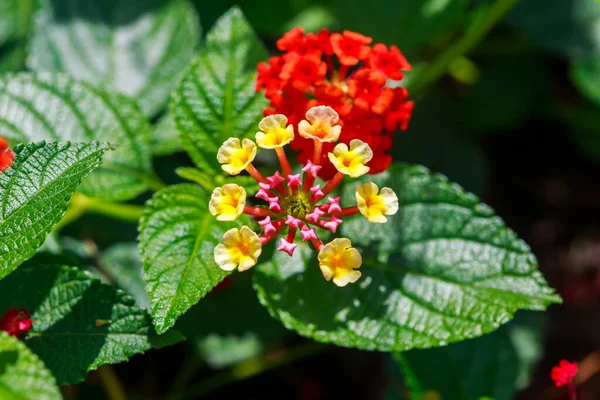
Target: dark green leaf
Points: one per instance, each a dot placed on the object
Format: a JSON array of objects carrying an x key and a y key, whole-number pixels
[
  {"x": 34, "y": 194},
  {"x": 585, "y": 74},
  {"x": 22, "y": 375},
  {"x": 222, "y": 339},
  {"x": 165, "y": 137},
  {"x": 177, "y": 239},
  {"x": 216, "y": 98},
  {"x": 55, "y": 107},
  {"x": 78, "y": 322},
  {"x": 138, "y": 48},
  {"x": 407, "y": 24},
  {"x": 485, "y": 366},
  {"x": 121, "y": 263},
  {"x": 443, "y": 269},
  {"x": 567, "y": 27},
  {"x": 15, "y": 16}
]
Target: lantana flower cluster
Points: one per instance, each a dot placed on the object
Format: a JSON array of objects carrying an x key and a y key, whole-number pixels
[
  {"x": 7, "y": 156},
  {"x": 343, "y": 71},
  {"x": 293, "y": 203}
]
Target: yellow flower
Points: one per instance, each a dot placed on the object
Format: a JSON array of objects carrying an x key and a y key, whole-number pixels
[
  {"x": 351, "y": 161},
  {"x": 321, "y": 126},
  {"x": 241, "y": 249},
  {"x": 227, "y": 202},
  {"x": 373, "y": 205},
  {"x": 340, "y": 261},
  {"x": 274, "y": 132},
  {"x": 235, "y": 157}
]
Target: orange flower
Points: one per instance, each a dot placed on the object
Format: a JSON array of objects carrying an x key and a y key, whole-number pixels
[{"x": 351, "y": 47}]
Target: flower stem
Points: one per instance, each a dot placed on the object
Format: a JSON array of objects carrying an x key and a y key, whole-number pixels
[
  {"x": 248, "y": 369},
  {"x": 348, "y": 211},
  {"x": 112, "y": 385},
  {"x": 572, "y": 391},
  {"x": 333, "y": 183},
  {"x": 82, "y": 204},
  {"x": 285, "y": 164},
  {"x": 257, "y": 211},
  {"x": 474, "y": 34},
  {"x": 255, "y": 174}
]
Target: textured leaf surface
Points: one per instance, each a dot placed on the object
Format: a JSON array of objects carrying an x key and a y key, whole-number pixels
[
  {"x": 22, "y": 375},
  {"x": 177, "y": 239},
  {"x": 443, "y": 269},
  {"x": 585, "y": 73},
  {"x": 78, "y": 322},
  {"x": 57, "y": 108},
  {"x": 122, "y": 263},
  {"x": 216, "y": 98},
  {"x": 34, "y": 194},
  {"x": 136, "y": 47}
]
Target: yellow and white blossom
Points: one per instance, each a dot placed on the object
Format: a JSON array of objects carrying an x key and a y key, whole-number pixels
[
  {"x": 339, "y": 261},
  {"x": 322, "y": 126},
  {"x": 373, "y": 205},
  {"x": 274, "y": 132},
  {"x": 234, "y": 156},
  {"x": 227, "y": 202},
  {"x": 351, "y": 161},
  {"x": 240, "y": 249}
]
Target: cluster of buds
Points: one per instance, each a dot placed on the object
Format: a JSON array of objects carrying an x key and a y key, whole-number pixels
[
  {"x": 344, "y": 72},
  {"x": 16, "y": 322},
  {"x": 7, "y": 156},
  {"x": 293, "y": 202}
]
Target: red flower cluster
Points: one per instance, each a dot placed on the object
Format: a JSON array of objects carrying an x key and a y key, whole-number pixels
[
  {"x": 563, "y": 373},
  {"x": 306, "y": 76},
  {"x": 7, "y": 156},
  {"x": 15, "y": 322}
]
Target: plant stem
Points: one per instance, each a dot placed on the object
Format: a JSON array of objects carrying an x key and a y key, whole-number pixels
[
  {"x": 474, "y": 34},
  {"x": 81, "y": 204},
  {"x": 248, "y": 369},
  {"x": 572, "y": 391},
  {"x": 112, "y": 385}
]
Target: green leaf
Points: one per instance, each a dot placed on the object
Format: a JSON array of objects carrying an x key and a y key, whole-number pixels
[
  {"x": 122, "y": 264},
  {"x": 22, "y": 375},
  {"x": 165, "y": 137},
  {"x": 408, "y": 23},
  {"x": 177, "y": 239},
  {"x": 139, "y": 48},
  {"x": 15, "y": 16},
  {"x": 234, "y": 325},
  {"x": 78, "y": 322},
  {"x": 35, "y": 107},
  {"x": 443, "y": 269},
  {"x": 568, "y": 28},
  {"x": 465, "y": 370},
  {"x": 34, "y": 194},
  {"x": 208, "y": 181},
  {"x": 216, "y": 98},
  {"x": 585, "y": 74},
  {"x": 486, "y": 366}
]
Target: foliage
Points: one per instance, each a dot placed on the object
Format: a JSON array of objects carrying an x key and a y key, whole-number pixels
[{"x": 110, "y": 106}]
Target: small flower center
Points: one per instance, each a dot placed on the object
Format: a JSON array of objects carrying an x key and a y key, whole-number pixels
[{"x": 298, "y": 206}]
